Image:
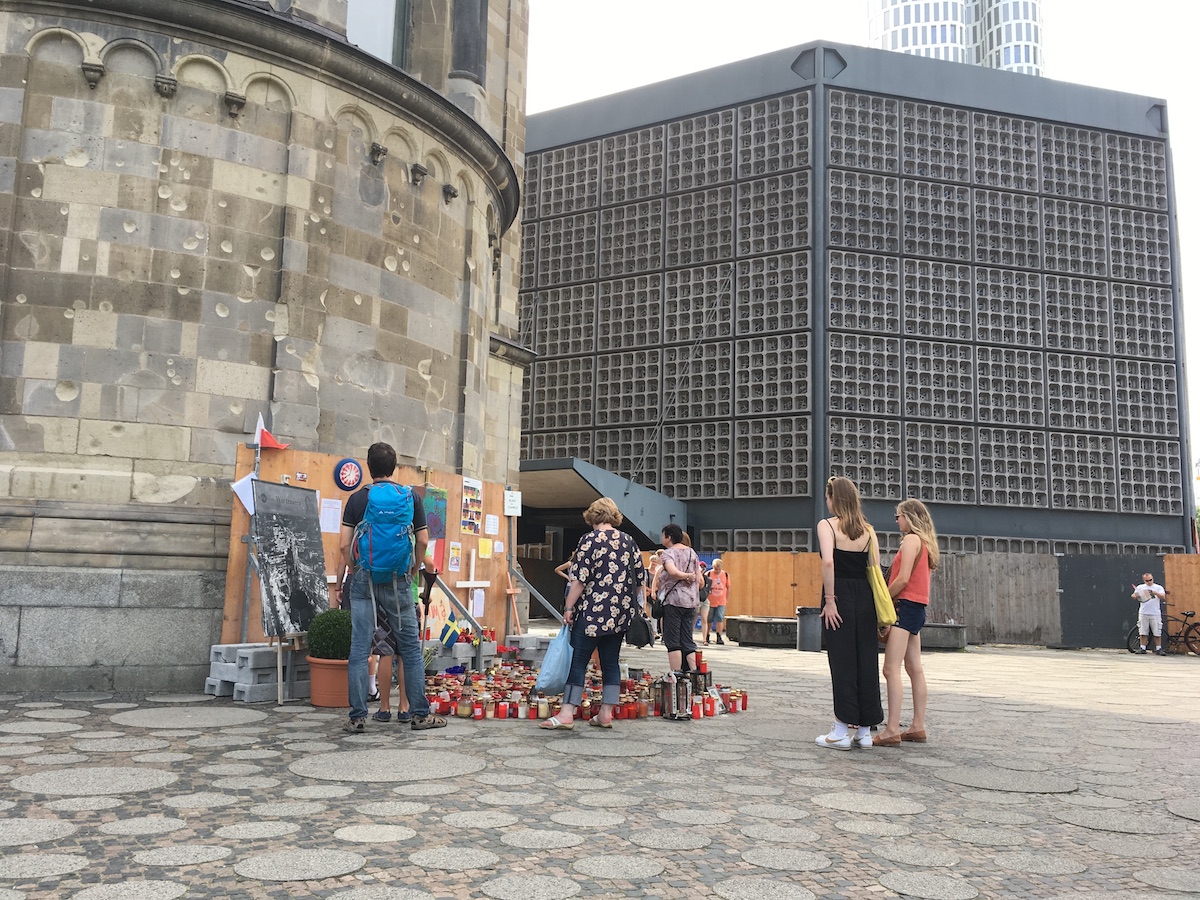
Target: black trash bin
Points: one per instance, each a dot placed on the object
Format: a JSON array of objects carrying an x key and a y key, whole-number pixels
[{"x": 808, "y": 628}]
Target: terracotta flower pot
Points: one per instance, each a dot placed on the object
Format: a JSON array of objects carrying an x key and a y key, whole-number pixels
[{"x": 329, "y": 684}]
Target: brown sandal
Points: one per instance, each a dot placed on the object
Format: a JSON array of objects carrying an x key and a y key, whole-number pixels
[
  {"x": 424, "y": 723},
  {"x": 878, "y": 741},
  {"x": 917, "y": 737}
]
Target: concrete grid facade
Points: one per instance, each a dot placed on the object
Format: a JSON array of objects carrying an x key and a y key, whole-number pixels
[{"x": 832, "y": 260}]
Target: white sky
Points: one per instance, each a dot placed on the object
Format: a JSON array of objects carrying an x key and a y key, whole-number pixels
[{"x": 579, "y": 49}]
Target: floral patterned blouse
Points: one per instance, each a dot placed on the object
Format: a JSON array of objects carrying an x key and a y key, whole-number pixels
[{"x": 609, "y": 566}]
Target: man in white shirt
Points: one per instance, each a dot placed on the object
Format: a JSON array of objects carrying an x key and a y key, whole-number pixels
[{"x": 1149, "y": 595}]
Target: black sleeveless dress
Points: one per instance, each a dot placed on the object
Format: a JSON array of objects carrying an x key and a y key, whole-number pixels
[{"x": 853, "y": 647}]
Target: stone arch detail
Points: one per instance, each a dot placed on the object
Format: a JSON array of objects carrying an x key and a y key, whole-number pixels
[
  {"x": 350, "y": 117},
  {"x": 265, "y": 89},
  {"x": 465, "y": 185},
  {"x": 85, "y": 54},
  {"x": 131, "y": 44},
  {"x": 187, "y": 68}
]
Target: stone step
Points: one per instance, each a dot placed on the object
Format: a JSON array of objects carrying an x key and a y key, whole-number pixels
[{"x": 218, "y": 688}]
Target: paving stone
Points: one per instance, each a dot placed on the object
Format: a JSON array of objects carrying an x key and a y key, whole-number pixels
[
  {"x": 609, "y": 800},
  {"x": 530, "y": 887},
  {"x": 22, "y": 866},
  {"x": 992, "y": 780},
  {"x": 310, "y": 746},
  {"x": 19, "y": 832},
  {"x": 34, "y": 726},
  {"x": 484, "y": 818},
  {"x": 120, "y": 745},
  {"x": 928, "y": 887},
  {"x": 386, "y": 766},
  {"x": 1120, "y": 821},
  {"x": 374, "y": 834},
  {"x": 1185, "y": 879},
  {"x": 140, "y": 889},
  {"x": 144, "y": 825},
  {"x": 541, "y": 839},
  {"x": 616, "y": 748},
  {"x": 52, "y": 714},
  {"x": 252, "y": 754},
  {"x": 1039, "y": 863},
  {"x": 787, "y": 859},
  {"x": 670, "y": 839},
  {"x": 454, "y": 859},
  {"x": 226, "y": 769},
  {"x": 381, "y": 892},
  {"x": 116, "y": 705},
  {"x": 694, "y": 816},
  {"x": 1188, "y": 808},
  {"x": 587, "y": 818},
  {"x": 250, "y": 831},
  {"x": 872, "y": 804},
  {"x": 300, "y": 865},
  {"x": 1093, "y": 801},
  {"x": 178, "y": 698},
  {"x": 201, "y": 800},
  {"x": 181, "y": 855},
  {"x": 751, "y": 887},
  {"x": 1001, "y": 816},
  {"x": 419, "y": 789},
  {"x": 504, "y": 779},
  {"x": 1127, "y": 846},
  {"x": 915, "y": 854},
  {"x": 165, "y": 756},
  {"x": 55, "y": 759},
  {"x": 282, "y": 809},
  {"x": 815, "y": 781},
  {"x": 388, "y": 809},
  {"x": 319, "y": 791},
  {"x": 246, "y": 783},
  {"x": 624, "y": 867},
  {"x": 784, "y": 834},
  {"x": 871, "y": 827},
  {"x": 510, "y": 798},
  {"x": 83, "y": 696},
  {"x": 780, "y": 812},
  {"x": 187, "y": 717},
  {"x": 94, "y": 782},
  {"x": 84, "y": 804}
]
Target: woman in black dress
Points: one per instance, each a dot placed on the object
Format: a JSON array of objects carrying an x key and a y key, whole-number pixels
[{"x": 851, "y": 634}]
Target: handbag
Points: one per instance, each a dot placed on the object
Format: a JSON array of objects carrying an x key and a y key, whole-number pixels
[
  {"x": 640, "y": 633},
  {"x": 885, "y": 607}
]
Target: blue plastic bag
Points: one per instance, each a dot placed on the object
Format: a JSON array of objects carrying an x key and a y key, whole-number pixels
[{"x": 552, "y": 676}]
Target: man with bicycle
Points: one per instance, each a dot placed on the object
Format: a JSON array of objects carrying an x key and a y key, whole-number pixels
[{"x": 1150, "y": 595}]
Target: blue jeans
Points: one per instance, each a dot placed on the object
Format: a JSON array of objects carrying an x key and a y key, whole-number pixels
[
  {"x": 582, "y": 648},
  {"x": 402, "y": 618}
]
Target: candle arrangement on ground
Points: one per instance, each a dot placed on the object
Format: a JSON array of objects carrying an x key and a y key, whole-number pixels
[{"x": 506, "y": 691}]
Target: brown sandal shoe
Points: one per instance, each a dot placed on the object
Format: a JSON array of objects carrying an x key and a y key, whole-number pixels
[
  {"x": 893, "y": 741},
  {"x": 917, "y": 737},
  {"x": 424, "y": 723}
]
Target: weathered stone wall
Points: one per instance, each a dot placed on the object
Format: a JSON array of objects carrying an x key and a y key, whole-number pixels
[{"x": 192, "y": 235}]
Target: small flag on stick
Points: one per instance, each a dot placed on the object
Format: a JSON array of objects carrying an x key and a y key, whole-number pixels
[
  {"x": 265, "y": 439},
  {"x": 450, "y": 631}
]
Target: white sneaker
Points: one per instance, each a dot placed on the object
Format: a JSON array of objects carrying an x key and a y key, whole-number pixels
[
  {"x": 862, "y": 743},
  {"x": 842, "y": 743}
]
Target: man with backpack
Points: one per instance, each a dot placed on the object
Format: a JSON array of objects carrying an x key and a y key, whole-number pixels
[{"x": 383, "y": 534}]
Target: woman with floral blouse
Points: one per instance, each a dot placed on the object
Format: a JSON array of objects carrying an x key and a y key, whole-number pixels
[{"x": 606, "y": 584}]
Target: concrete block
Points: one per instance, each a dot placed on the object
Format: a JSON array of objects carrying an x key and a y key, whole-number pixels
[
  {"x": 462, "y": 651},
  {"x": 74, "y": 636},
  {"x": 943, "y": 637},
  {"x": 261, "y": 693},
  {"x": 228, "y": 652},
  {"x": 223, "y": 671},
  {"x": 218, "y": 688},
  {"x": 58, "y": 587},
  {"x": 80, "y": 116},
  {"x": 130, "y": 440},
  {"x": 12, "y": 101},
  {"x": 354, "y": 275},
  {"x": 60, "y": 678},
  {"x": 83, "y": 186},
  {"x": 93, "y": 328},
  {"x": 232, "y": 379},
  {"x": 256, "y": 657}
]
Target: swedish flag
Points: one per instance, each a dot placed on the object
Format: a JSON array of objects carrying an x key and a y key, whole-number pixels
[{"x": 450, "y": 631}]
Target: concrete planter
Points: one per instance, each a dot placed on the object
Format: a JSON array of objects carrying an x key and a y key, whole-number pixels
[{"x": 330, "y": 686}]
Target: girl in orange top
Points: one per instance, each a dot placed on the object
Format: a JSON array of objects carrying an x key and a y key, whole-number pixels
[{"x": 909, "y": 587}]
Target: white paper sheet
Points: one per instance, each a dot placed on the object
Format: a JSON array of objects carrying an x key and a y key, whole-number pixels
[
  {"x": 477, "y": 602},
  {"x": 491, "y": 525},
  {"x": 331, "y": 516},
  {"x": 245, "y": 491}
]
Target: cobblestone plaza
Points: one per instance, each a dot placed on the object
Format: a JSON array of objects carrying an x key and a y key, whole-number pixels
[{"x": 1047, "y": 774}]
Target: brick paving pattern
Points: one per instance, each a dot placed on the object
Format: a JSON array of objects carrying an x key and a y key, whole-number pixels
[{"x": 1047, "y": 774}]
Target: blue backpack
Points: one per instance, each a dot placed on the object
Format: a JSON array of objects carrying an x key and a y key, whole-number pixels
[{"x": 383, "y": 540}]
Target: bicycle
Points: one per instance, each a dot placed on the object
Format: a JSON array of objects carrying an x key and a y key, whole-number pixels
[{"x": 1188, "y": 635}]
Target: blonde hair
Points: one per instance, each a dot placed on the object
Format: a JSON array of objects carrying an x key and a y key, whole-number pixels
[
  {"x": 921, "y": 524},
  {"x": 845, "y": 504},
  {"x": 603, "y": 511}
]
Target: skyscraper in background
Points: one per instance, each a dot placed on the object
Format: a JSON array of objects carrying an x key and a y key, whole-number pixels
[{"x": 998, "y": 34}]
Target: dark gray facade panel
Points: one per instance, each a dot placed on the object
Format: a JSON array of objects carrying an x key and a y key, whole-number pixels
[
  {"x": 912, "y": 77},
  {"x": 949, "y": 283}
]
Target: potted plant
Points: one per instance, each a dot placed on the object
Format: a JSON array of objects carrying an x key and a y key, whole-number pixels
[{"x": 328, "y": 653}]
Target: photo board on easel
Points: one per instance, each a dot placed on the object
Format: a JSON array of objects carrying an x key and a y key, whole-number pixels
[{"x": 291, "y": 558}]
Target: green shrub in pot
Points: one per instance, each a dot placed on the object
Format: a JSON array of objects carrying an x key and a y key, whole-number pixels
[{"x": 329, "y": 635}]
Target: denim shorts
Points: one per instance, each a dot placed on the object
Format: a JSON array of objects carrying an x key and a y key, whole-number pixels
[
  {"x": 910, "y": 616},
  {"x": 716, "y": 614}
]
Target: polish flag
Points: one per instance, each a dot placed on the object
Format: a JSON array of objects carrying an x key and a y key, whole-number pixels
[{"x": 265, "y": 439}]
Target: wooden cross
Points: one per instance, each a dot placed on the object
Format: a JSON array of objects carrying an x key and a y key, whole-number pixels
[{"x": 472, "y": 583}]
